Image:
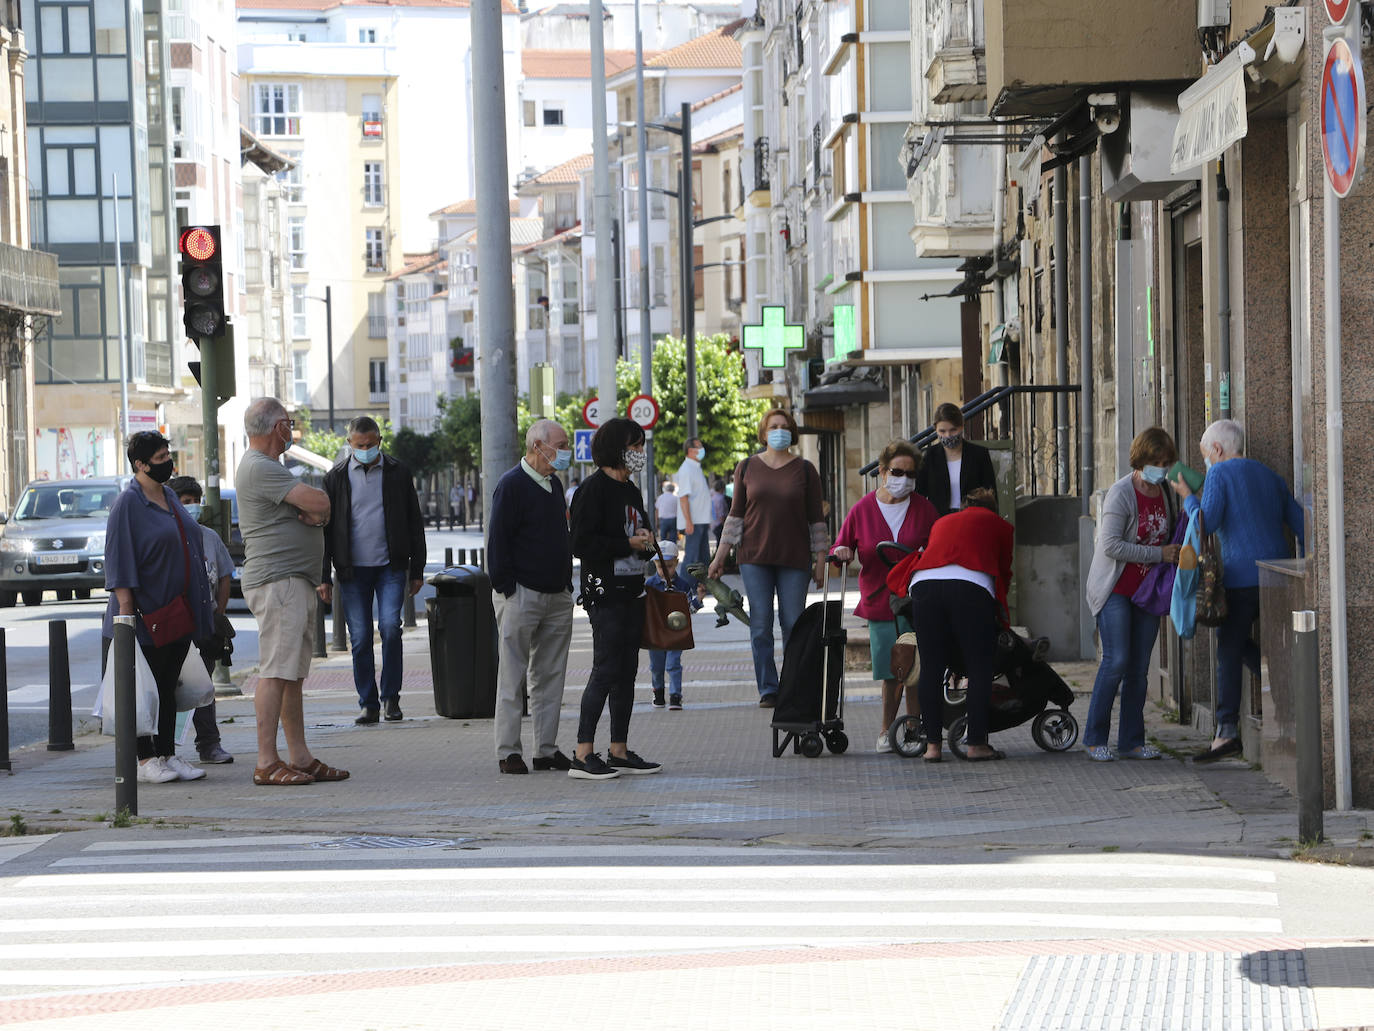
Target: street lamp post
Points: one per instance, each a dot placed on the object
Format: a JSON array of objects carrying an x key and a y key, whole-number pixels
[{"x": 328, "y": 301}]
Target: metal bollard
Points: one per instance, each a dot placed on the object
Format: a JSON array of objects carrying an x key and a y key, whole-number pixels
[
  {"x": 340, "y": 640},
  {"x": 448, "y": 557},
  {"x": 319, "y": 652},
  {"x": 479, "y": 557},
  {"x": 126, "y": 730},
  {"x": 408, "y": 609},
  {"x": 1307, "y": 708},
  {"x": 59, "y": 689},
  {"x": 462, "y": 556},
  {"x": 4, "y": 706}
]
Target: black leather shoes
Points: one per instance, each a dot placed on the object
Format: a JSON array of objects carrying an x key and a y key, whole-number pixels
[
  {"x": 369, "y": 717},
  {"x": 393, "y": 711},
  {"x": 1231, "y": 746},
  {"x": 557, "y": 761},
  {"x": 513, "y": 764}
]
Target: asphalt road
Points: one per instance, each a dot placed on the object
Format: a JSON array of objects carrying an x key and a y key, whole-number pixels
[{"x": 27, "y": 637}]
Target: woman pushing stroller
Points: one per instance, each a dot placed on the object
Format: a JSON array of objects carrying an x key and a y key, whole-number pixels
[{"x": 958, "y": 590}]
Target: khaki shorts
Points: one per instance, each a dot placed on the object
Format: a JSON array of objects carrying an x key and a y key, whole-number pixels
[{"x": 285, "y": 611}]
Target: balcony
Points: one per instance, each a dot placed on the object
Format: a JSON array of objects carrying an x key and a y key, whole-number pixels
[
  {"x": 1042, "y": 53},
  {"x": 761, "y": 195},
  {"x": 376, "y": 326},
  {"x": 28, "y": 281}
]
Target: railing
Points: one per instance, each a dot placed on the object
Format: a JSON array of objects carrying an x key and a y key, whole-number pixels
[
  {"x": 376, "y": 326},
  {"x": 1046, "y": 447},
  {"x": 761, "y": 178},
  {"x": 816, "y": 153}
]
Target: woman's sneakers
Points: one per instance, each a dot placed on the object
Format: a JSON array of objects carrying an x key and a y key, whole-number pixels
[
  {"x": 631, "y": 763},
  {"x": 158, "y": 770},
  {"x": 592, "y": 768}
]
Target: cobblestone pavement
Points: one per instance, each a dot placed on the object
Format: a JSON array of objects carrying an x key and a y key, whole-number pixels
[{"x": 721, "y": 788}]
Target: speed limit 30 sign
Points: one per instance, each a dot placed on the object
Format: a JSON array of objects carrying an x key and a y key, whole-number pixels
[{"x": 643, "y": 410}]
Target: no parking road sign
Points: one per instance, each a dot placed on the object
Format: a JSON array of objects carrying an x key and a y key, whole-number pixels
[{"x": 1342, "y": 117}]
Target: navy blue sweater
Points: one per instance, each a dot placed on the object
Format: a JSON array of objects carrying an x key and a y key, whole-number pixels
[{"x": 527, "y": 536}]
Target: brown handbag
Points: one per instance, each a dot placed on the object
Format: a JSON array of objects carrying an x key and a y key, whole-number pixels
[
  {"x": 174, "y": 620},
  {"x": 667, "y": 617},
  {"x": 1211, "y": 593}
]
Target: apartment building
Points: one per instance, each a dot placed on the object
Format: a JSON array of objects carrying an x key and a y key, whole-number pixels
[{"x": 264, "y": 336}]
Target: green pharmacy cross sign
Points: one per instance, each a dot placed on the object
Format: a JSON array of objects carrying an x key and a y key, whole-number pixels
[{"x": 774, "y": 337}]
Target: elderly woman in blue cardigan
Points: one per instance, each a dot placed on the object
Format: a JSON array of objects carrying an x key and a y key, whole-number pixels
[
  {"x": 1247, "y": 505},
  {"x": 1133, "y": 533}
]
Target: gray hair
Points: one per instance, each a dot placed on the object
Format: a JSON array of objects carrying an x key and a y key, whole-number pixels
[
  {"x": 1228, "y": 434},
  {"x": 262, "y": 415},
  {"x": 539, "y": 433}
]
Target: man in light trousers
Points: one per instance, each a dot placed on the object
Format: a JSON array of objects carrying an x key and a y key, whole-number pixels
[
  {"x": 694, "y": 493},
  {"x": 529, "y": 559}
]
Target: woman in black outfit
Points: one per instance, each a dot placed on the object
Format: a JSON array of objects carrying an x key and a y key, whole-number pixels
[
  {"x": 953, "y": 462},
  {"x": 611, "y": 535}
]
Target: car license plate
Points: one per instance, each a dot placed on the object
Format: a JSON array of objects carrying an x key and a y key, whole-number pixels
[{"x": 69, "y": 558}]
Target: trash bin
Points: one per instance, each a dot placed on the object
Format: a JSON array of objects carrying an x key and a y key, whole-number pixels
[{"x": 462, "y": 643}]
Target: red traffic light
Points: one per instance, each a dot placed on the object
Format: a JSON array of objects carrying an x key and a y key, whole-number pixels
[{"x": 198, "y": 243}]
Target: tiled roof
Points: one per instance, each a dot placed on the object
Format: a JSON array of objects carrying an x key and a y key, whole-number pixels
[
  {"x": 718, "y": 96},
  {"x": 523, "y": 231},
  {"x": 430, "y": 261},
  {"x": 712, "y": 142},
  {"x": 567, "y": 172},
  {"x": 573, "y": 64},
  {"x": 469, "y": 207},
  {"x": 566, "y": 234},
  {"x": 718, "y": 49}
]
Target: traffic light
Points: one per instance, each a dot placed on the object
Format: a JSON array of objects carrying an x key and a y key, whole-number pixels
[{"x": 202, "y": 282}]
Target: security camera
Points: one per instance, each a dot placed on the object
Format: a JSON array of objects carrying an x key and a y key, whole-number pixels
[{"x": 1290, "y": 31}]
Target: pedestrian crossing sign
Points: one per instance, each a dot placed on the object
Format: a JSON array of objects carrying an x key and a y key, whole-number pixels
[{"x": 582, "y": 445}]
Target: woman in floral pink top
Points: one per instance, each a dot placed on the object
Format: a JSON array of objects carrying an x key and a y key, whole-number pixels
[{"x": 1134, "y": 530}]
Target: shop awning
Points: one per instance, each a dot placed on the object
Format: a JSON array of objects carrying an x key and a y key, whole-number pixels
[{"x": 1212, "y": 112}]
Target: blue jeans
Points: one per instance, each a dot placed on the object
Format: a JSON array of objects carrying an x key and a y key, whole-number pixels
[
  {"x": 1234, "y": 649},
  {"x": 388, "y": 587},
  {"x": 667, "y": 530},
  {"x": 1128, "y": 635},
  {"x": 670, "y": 661},
  {"x": 760, "y": 584},
  {"x": 696, "y": 549}
]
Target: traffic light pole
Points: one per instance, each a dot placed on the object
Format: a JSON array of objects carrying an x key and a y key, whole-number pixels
[{"x": 209, "y": 401}]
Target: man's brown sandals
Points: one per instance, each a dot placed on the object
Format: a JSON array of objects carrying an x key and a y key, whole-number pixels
[{"x": 279, "y": 774}]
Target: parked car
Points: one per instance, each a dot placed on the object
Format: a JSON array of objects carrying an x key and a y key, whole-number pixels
[{"x": 54, "y": 540}]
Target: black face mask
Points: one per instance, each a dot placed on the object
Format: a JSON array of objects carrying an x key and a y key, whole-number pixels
[{"x": 160, "y": 472}]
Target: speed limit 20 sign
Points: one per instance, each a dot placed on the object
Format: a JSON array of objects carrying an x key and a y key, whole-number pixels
[{"x": 643, "y": 410}]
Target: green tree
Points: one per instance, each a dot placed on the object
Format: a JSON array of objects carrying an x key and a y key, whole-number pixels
[
  {"x": 418, "y": 452},
  {"x": 727, "y": 420},
  {"x": 460, "y": 432},
  {"x": 320, "y": 441}
]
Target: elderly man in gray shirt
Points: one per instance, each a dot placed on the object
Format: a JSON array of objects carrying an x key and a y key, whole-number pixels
[{"x": 377, "y": 546}]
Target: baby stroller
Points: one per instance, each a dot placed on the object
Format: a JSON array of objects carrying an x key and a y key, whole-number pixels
[
  {"x": 1024, "y": 688},
  {"x": 810, "y": 712}
]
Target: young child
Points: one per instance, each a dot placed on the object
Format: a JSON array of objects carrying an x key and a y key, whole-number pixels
[{"x": 667, "y": 577}]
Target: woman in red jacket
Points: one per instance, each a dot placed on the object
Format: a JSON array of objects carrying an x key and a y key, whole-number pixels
[{"x": 958, "y": 589}]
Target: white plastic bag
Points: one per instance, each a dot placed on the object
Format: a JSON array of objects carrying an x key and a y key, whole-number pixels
[
  {"x": 194, "y": 687},
  {"x": 145, "y": 697}
]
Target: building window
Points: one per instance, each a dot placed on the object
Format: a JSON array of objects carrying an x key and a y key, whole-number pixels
[
  {"x": 295, "y": 229},
  {"x": 299, "y": 328},
  {"x": 570, "y": 313},
  {"x": 553, "y": 114},
  {"x": 374, "y": 251},
  {"x": 376, "y": 314},
  {"x": 300, "y": 384},
  {"x": 660, "y": 274},
  {"x": 178, "y": 126},
  {"x": 293, "y": 181},
  {"x": 528, "y": 112},
  {"x": 277, "y": 109},
  {"x": 66, "y": 30},
  {"x": 565, "y": 210},
  {"x": 372, "y": 116},
  {"x": 372, "y": 184},
  {"x": 376, "y": 379},
  {"x": 699, "y": 278},
  {"x": 367, "y": 35}
]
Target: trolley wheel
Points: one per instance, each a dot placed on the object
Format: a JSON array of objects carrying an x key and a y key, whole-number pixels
[
  {"x": 32, "y": 598},
  {"x": 811, "y": 745},
  {"x": 837, "y": 741},
  {"x": 906, "y": 737},
  {"x": 1055, "y": 730},
  {"x": 958, "y": 737},
  {"x": 956, "y": 688}
]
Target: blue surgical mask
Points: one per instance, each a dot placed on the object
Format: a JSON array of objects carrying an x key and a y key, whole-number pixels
[
  {"x": 701, "y": 455},
  {"x": 562, "y": 458},
  {"x": 1154, "y": 473},
  {"x": 1208, "y": 462},
  {"x": 193, "y": 511},
  {"x": 367, "y": 455},
  {"x": 780, "y": 439}
]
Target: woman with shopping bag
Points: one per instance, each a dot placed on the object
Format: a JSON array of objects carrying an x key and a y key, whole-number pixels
[
  {"x": 1135, "y": 533},
  {"x": 155, "y": 570}
]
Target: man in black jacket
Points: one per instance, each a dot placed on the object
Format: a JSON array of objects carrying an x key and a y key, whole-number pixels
[{"x": 376, "y": 541}]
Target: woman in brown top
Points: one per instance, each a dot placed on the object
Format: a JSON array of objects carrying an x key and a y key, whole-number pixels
[{"x": 777, "y": 526}]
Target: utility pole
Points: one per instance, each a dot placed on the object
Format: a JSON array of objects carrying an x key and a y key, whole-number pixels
[
  {"x": 329, "y": 348},
  {"x": 123, "y": 333},
  {"x": 601, "y": 215},
  {"x": 646, "y": 346},
  {"x": 689, "y": 272},
  {"x": 495, "y": 277}
]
